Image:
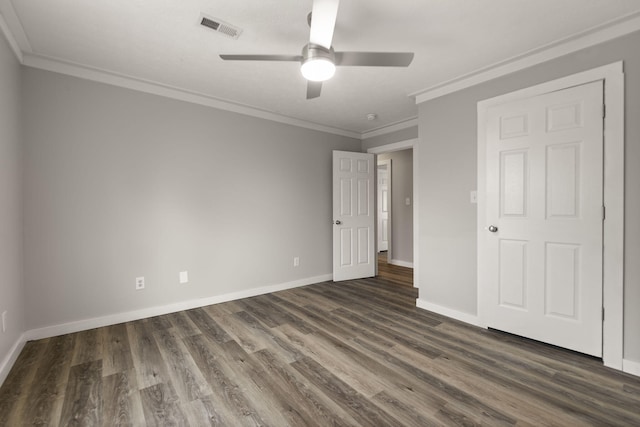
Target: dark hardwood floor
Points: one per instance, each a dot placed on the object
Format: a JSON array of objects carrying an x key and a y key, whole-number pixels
[
  {"x": 393, "y": 273},
  {"x": 353, "y": 353}
]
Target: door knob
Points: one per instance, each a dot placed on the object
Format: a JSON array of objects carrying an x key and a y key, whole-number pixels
[
  {"x": 338, "y": 222},
  {"x": 493, "y": 228}
]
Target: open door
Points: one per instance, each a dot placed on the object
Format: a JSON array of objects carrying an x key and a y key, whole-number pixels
[
  {"x": 353, "y": 215},
  {"x": 384, "y": 204}
]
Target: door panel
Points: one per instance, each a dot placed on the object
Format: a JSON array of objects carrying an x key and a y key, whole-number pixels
[
  {"x": 544, "y": 195},
  {"x": 353, "y": 215},
  {"x": 384, "y": 171}
]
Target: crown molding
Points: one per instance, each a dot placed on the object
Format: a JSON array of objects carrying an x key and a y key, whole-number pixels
[
  {"x": 8, "y": 35},
  {"x": 14, "y": 29},
  {"x": 393, "y": 127},
  {"x": 120, "y": 80},
  {"x": 591, "y": 37}
]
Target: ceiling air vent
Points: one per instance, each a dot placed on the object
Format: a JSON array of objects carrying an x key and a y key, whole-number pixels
[{"x": 220, "y": 26}]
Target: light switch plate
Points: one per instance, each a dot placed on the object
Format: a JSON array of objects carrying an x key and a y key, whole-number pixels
[{"x": 184, "y": 277}]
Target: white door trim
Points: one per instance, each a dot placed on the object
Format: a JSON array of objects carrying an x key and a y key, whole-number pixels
[
  {"x": 613, "y": 258},
  {"x": 398, "y": 146}
]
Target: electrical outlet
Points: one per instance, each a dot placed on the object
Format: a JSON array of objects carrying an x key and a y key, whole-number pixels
[
  {"x": 296, "y": 261},
  {"x": 139, "y": 283},
  {"x": 4, "y": 321},
  {"x": 184, "y": 277}
]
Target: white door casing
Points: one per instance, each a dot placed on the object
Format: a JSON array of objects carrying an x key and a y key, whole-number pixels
[
  {"x": 411, "y": 144},
  {"x": 544, "y": 180},
  {"x": 384, "y": 204},
  {"x": 353, "y": 215}
]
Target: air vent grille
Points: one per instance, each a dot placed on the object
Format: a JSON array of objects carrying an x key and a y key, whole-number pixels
[{"x": 220, "y": 26}]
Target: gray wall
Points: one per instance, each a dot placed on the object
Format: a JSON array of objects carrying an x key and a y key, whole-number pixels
[
  {"x": 401, "y": 214},
  {"x": 447, "y": 159},
  {"x": 11, "y": 291},
  {"x": 122, "y": 184}
]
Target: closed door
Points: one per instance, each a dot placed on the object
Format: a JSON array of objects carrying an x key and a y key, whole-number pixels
[
  {"x": 545, "y": 217},
  {"x": 353, "y": 216},
  {"x": 384, "y": 198}
]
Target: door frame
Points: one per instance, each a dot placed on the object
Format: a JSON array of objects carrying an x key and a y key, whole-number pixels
[
  {"x": 386, "y": 163},
  {"x": 399, "y": 146},
  {"x": 613, "y": 226}
]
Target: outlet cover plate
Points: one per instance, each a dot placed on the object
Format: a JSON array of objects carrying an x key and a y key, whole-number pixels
[{"x": 184, "y": 277}]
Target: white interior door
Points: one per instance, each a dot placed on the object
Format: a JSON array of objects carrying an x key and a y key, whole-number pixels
[
  {"x": 384, "y": 200},
  {"x": 544, "y": 207},
  {"x": 353, "y": 215}
]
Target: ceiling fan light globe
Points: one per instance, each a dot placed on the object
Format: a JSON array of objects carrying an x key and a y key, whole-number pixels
[{"x": 318, "y": 69}]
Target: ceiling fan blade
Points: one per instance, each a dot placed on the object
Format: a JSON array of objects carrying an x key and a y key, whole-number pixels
[
  {"x": 374, "y": 59},
  {"x": 295, "y": 58},
  {"x": 313, "y": 89},
  {"x": 323, "y": 22}
]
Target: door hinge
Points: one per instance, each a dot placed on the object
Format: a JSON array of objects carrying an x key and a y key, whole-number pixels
[
  {"x": 604, "y": 111},
  {"x": 604, "y": 212},
  {"x": 603, "y": 314}
]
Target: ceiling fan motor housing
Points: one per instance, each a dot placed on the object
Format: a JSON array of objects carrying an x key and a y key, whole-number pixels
[
  {"x": 318, "y": 63},
  {"x": 314, "y": 51}
]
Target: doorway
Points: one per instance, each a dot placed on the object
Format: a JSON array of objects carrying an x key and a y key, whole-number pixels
[{"x": 398, "y": 263}]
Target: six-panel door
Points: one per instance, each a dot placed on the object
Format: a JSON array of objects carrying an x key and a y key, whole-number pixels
[
  {"x": 353, "y": 216},
  {"x": 544, "y": 196}
]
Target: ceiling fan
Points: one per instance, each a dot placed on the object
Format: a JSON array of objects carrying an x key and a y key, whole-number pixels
[{"x": 318, "y": 59}]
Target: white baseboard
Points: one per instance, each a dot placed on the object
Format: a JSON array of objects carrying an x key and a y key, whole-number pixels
[
  {"x": 401, "y": 263},
  {"x": 449, "y": 312},
  {"x": 114, "y": 319},
  {"x": 10, "y": 359},
  {"x": 631, "y": 367}
]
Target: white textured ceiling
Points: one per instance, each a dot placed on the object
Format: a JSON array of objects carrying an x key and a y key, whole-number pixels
[{"x": 161, "y": 41}]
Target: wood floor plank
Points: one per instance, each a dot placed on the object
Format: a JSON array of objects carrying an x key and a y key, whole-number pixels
[
  {"x": 208, "y": 326},
  {"x": 46, "y": 394},
  {"x": 422, "y": 347},
  {"x": 117, "y": 351},
  {"x": 321, "y": 351},
  {"x": 187, "y": 379},
  {"x": 121, "y": 401},
  {"x": 460, "y": 397},
  {"x": 275, "y": 340},
  {"x": 309, "y": 298},
  {"x": 149, "y": 365},
  {"x": 270, "y": 400},
  {"x": 242, "y": 334},
  {"x": 360, "y": 408},
  {"x": 183, "y": 325},
  {"x": 319, "y": 408},
  {"x": 14, "y": 393},
  {"x": 161, "y": 406},
  {"x": 83, "y": 396},
  {"x": 88, "y": 346},
  {"x": 407, "y": 415},
  {"x": 354, "y": 353},
  {"x": 227, "y": 395},
  {"x": 203, "y": 412}
]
